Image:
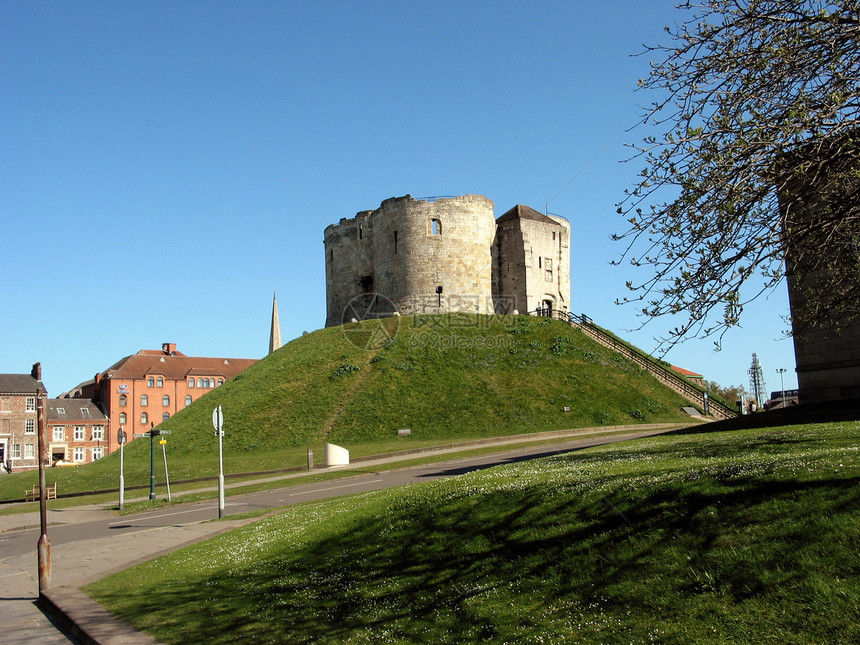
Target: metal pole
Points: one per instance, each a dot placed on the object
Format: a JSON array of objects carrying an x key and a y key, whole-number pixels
[
  {"x": 151, "y": 462},
  {"x": 781, "y": 371},
  {"x": 121, "y": 474},
  {"x": 44, "y": 545},
  {"x": 163, "y": 443},
  {"x": 220, "y": 474}
]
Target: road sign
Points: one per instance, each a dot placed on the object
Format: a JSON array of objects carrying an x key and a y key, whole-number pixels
[
  {"x": 121, "y": 436},
  {"x": 163, "y": 441},
  {"x": 218, "y": 418}
]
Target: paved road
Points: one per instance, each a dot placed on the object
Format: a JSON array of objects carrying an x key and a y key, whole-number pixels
[{"x": 88, "y": 542}]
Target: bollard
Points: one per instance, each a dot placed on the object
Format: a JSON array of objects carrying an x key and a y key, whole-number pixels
[{"x": 310, "y": 459}]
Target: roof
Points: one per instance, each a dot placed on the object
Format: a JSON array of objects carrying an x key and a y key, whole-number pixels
[
  {"x": 686, "y": 373},
  {"x": 19, "y": 384},
  {"x": 74, "y": 410},
  {"x": 520, "y": 211},
  {"x": 175, "y": 366}
]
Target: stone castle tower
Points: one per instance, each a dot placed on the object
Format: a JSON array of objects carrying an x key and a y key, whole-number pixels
[{"x": 446, "y": 254}]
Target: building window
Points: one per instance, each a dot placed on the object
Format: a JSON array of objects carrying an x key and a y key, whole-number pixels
[
  {"x": 123, "y": 400},
  {"x": 165, "y": 400},
  {"x": 160, "y": 382},
  {"x": 98, "y": 452},
  {"x": 29, "y": 451},
  {"x": 165, "y": 416},
  {"x": 395, "y": 242},
  {"x": 207, "y": 383},
  {"x": 98, "y": 433},
  {"x": 16, "y": 451},
  {"x": 435, "y": 227},
  {"x": 123, "y": 419},
  {"x": 59, "y": 433},
  {"x": 187, "y": 399},
  {"x": 79, "y": 433},
  {"x": 150, "y": 381},
  {"x": 191, "y": 382},
  {"x": 31, "y": 404},
  {"x": 144, "y": 400},
  {"x": 144, "y": 418},
  {"x": 220, "y": 381},
  {"x": 61, "y": 410},
  {"x": 30, "y": 426},
  {"x": 80, "y": 454},
  {"x": 200, "y": 382}
]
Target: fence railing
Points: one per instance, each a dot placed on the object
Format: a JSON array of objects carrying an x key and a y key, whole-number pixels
[{"x": 668, "y": 377}]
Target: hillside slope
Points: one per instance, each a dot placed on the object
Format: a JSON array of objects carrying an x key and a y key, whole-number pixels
[{"x": 443, "y": 377}]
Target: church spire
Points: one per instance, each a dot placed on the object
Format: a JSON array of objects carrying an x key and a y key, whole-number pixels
[{"x": 275, "y": 333}]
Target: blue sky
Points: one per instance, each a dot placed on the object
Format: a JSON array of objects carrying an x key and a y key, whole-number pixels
[{"x": 166, "y": 166}]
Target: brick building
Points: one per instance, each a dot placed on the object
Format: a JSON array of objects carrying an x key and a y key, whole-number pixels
[
  {"x": 77, "y": 431},
  {"x": 18, "y": 419},
  {"x": 142, "y": 390}
]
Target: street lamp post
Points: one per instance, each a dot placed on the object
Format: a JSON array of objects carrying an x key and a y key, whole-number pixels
[
  {"x": 781, "y": 371},
  {"x": 121, "y": 438}
]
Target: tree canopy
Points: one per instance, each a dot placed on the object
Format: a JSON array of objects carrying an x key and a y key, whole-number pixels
[{"x": 758, "y": 101}]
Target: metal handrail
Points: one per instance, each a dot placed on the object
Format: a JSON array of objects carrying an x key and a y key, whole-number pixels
[{"x": 660, "y": 372}]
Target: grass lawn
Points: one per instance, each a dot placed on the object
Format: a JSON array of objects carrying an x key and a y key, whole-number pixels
[{"x": 749, "y": 536}]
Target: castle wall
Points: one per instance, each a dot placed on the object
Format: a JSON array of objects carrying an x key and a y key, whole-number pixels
[{"x": 407, "y": 249}]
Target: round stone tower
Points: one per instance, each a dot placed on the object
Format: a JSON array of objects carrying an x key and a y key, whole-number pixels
[{"x": 412, "y": 256}]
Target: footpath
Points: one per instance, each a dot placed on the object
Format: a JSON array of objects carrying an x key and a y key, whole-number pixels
[{"x": 25, "y": 618}]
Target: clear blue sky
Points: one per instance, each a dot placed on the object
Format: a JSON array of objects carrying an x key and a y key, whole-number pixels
[{"x": 166, "y": 166}]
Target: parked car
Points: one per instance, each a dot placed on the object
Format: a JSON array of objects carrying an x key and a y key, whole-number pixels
[{"x": 63, "y": 462}]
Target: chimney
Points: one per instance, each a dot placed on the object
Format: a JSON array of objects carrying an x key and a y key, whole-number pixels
[
  {"x": 37, "y": 371},
  {"x": 168, "y": 348}
]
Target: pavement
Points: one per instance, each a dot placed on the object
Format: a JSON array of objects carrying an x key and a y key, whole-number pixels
[{"x": 63, "y": 613}]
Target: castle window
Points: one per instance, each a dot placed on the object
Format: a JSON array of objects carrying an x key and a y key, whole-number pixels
[
  {"x": 360, "y": 232},
  {"x": 435, "y": 227},
  {"x": 539, "y": 266},
  {"x": 553, "y": 236},
  {"x": 395, "y": 241}
]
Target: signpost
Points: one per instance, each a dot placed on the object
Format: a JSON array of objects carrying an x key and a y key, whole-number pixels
[
  {"x": 152, "y": 434},
  {"x": 218, "y": 422},
  {"x": 163, "y": 443},
  {"x": 121, "y": 438}
]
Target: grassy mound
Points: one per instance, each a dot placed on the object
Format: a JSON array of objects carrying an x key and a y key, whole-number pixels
[
  {"x": 727, "y": 537},
  {"x": 445, "y": 378}
]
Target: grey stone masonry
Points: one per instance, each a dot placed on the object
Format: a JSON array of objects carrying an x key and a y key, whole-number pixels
[{"x": 445, "y": 255}]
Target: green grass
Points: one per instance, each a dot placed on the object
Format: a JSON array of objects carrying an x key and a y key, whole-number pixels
[
  {"x": 446, "y": 378},
  {"x": 749, "y": 536}
]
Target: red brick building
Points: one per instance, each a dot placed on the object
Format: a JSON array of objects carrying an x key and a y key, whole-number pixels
[
  {"x": 18, "y": 423},
  {"x": 144, "y": 389},
  {"x": 77, "y": 431}
]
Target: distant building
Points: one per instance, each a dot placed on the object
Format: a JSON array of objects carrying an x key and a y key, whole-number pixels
[
  {"x": 694, "y": 378},
  {"x": 78, "y": 431},
  {"x": 142, "y": 390},
  {"x": 447, "y": 254},
  {"x": 18, "y": 422}
]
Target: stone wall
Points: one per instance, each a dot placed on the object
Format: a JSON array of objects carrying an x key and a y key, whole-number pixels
[{"x": 448, "y": 254}]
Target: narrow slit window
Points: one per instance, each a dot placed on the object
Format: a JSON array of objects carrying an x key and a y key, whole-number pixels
[
  {"x": 395, "y": 241},
  {"x": 435, "y": 227}
]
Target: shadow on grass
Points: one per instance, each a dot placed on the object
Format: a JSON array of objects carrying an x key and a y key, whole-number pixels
[{"x": 477, "y": 565}]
